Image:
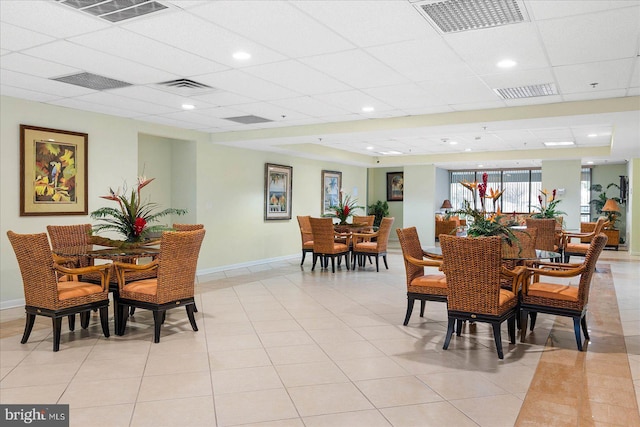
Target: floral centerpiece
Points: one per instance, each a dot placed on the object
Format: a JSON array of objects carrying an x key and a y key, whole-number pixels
[
  {"x": 344, "y": 209},
  {"x": 133, "y": 217},
  {"x": 484, "y": 223},
  {"x": 548, "y": 205}
]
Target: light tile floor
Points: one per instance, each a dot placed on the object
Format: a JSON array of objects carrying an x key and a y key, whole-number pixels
[{"x": 283, "y": 346}]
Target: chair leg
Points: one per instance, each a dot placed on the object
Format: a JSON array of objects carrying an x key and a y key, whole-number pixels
[
  {"x": 450, "y": 326},
  {"x": 576, "y": 329},
  {"x": 85, "y": 316},
  {"x": 72, "y": 322},
  {"x": 511, "y": 327},
  {"x": 195, "y": 308},
  {"x": 410, "y": 302},
  {"x": 28, "y": 327},
  {"x": 384, "y": 258},
  {"x": 498, "y": 339},
  {"x": 57, "y": 327},
  {"x": 104, "y": 321},
  {"x": 524, "y": 317},
  {"x": 192, "y": 318},
  {"x": 423, "y": 303},
  {"x": 303, "y": 255},
  {"x": 315, "y": 259},
  {"x": 157, "y": 323},
  {"x": 583, "y": 322},
  {"x": 123, "y": 315},
  {"x": 346, "y": 259},
  {"x": 132, "y": 310},
  {"x": 377, "y": 264},
  {"x": 458, "y": 327},
  {"x": 333, "y": 264},
  {"x": 534, "y": 316}
]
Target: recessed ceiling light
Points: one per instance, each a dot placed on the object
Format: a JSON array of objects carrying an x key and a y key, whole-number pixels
[
  {"x": 592, "y": 135},
  {"x": 188, "y": 106},
  {"x": 507, "y": 63},
  {"x": 368, "y": 109},
  {"x": 241, "y": 55},
  {"x": 389, "y": 152},
  {"x": 558, "y": 143},
  {"x": 590, "y": 162},
  {"x": 467, "y": 149},
  {"x": 453, "y": 142},
  {"x": 369, "y": 148}
]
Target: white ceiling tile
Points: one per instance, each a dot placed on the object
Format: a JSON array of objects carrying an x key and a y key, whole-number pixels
[
  {"x": 483, "y": 49},
  {"x": 353, "y": 101},
  {"x": 356, "y": 68},
  {"x": 202, "y": 38},
  {"x": 99, "y": 63},
  {"x": 22, "y": 93},
  {"x": 117, "y": 101},
  {"x": 50, "y": 18},
  {"x": 220, "y": 112},
  {"x": 271, "y": 111},
  {"x": 297, "y": 76},
  {"x": 594, "y": 37},
  {"x": 194, "y": 118},
  {"x": 460, "y": 91},
  {"x": 536, "y": 100},
  {"x": 168, "y": 121},
  {"x": 246, "y": 85},
  {"x": 608, "y": 74},
  {"x": 404, "y": 96},
  {"x": 224, "y": 98},
  {"x": 595, "y": 94},
  {"x": 36, "y": 66},
  {"x": 277, "y": 25},
  {"x": 428, "y": 110},
  {"x": 156, "y": 96},
  {"x": 39, "y": 84},
  {"x": 96, "y": 108},
  {"x": 635, "y": 73},
  {"x": 372, "y": 22},
  {"x": 126, "y": 44},
  {"x": 423, "y": 59},
  {"x": 13, "y": 38},
  {"x": 547, "y": 9},
  {"x": 310, "y": 106},
  {"x": 518, "y": 78}
]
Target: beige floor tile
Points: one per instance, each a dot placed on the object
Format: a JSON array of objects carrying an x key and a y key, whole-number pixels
[
  {"x": 174, "y": 386},
  {"x": 371, "y": 418},
  {"x": 371, "y": 368},
  {"x": 104, "y": 369},
  {"x": 101, "y": 393},
  {"x": 398, "y": 391},
  {"x": 290, "y": 422},
  {"x": 266, "y": 326},
  {"x": 254, "y": 407},
  {"x": 234, "y": 359},
  {"x": 328, "y": 399},
  {"x": 351, "y": 350},
  {"x": 476, "y": 409},
  {"x": 297, "y": 354},
  {"x": 192, "y": 412},
  {"x": 31, "y": 394},
  {"x": 295, "y": 375},
  {"x": 461, "y": 385},
  {"x": 162, "y": 364},
  {"x": 245, "y": 379},
  {"x": 287, "y": 338},
  {"x": 514, "y": 379},
  {"x": 101, "y": 416},
  {"x": 233, "y": 342},
  {"x": 334, "y": 336},
  {"x": 45, "y": 374},
  {"x": 435, "y": 414}
]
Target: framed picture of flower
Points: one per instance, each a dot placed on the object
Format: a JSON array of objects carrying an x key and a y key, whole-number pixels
[
  {"x": 277, "y": 191},
  {"x": 331, "y": 185},
  {"x": 53, "y": 172},
  {"x": 395, "y": 186}
]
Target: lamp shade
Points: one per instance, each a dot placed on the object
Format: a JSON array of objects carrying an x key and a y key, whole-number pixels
[
  {"x": 446, "y": 204},
  {"x": 611, "y": 206}
]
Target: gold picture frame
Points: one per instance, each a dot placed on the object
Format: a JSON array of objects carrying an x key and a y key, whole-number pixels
[
  {"x": 53, "y": 172},
  {"x": 395, "y": 186},
  {"x": 277, "y": 191},
  {"x": 331, "y": 186}
]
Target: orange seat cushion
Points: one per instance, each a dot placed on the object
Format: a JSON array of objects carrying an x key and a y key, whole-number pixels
[
  {"x": 366, "y": 246},
  {"x": 505, "y": 297},
  {"x": 553, "y": 291},
  {"x": 431, "y": 281},
  {"x": 308, "y": 244},
  {"x": 146, "y": 286},
  {"x": 340, "y": 247},
  {"x": 73, "y": 289},
  {"x": 577, "y": 247}
]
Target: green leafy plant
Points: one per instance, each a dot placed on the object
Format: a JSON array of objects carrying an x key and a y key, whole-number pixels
[
  {"x": 380, "y": 209},
  {"x": 598, "y": 203},
  {"x": 483, "y": 224},
  {"x": 344, "y": 209},
  {"x": 548, "y": 205},
  {"x": 133, "y": 217}
]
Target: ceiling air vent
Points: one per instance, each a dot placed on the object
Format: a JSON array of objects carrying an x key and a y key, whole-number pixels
[
  {"x": 115, "y": 10},
  {"x": 450, "y": 16},
  {"x": 92, "y": 81},
  {"x": 186, "y": 87},
  {"x": 248, "y": 120},
  {"x": 544, "y": 89}
]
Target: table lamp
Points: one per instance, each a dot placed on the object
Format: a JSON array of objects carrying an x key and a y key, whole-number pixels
[
  {"x": 446, "y": 205},
  {"x": 611, "y": 209}
]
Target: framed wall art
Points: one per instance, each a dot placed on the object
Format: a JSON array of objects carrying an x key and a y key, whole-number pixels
[
  {"x": 53, "y": 172},
  {"x": 277, "y": 191},
  {"x": 395, "y": 186},
  {"x": 331, "y": 185}
]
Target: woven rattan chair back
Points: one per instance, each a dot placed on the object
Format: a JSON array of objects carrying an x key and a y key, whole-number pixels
[
  {"x": 187, "y": 227},
  {"x": 546, "y": 239},
  {"x": 323, "y": 235},
  {"x": 525, "y": 246},
  {"x": 383, "y": 233},
  {"x": 472, "y": 267},
  {"x": 365, "y": 220},
  {"x": 64, "y": 236},
  {"x": 591, "y": 258},
  {"x": 306, "y": 233},
  {"x": 410, "y": 245}
]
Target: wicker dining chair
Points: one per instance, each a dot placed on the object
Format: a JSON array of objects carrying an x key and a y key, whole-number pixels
[
  {"x": 560, "y": 299},
  {"x": 578, "y": 248},
  {"x": 187, "y": 227},
  {"x": 366, "y": 245},
  {"x": 473, "y": 268},
  {"x": 420, "y": 286},
  {"x": 523, "y": 247},
  {"x": 45, "y": 295},
  {"x": 365, "y": 220},
  {"x": 173, "y": 286},
  {"x": 306, "y": 234},
  {"x": 324, "y": 244}
]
